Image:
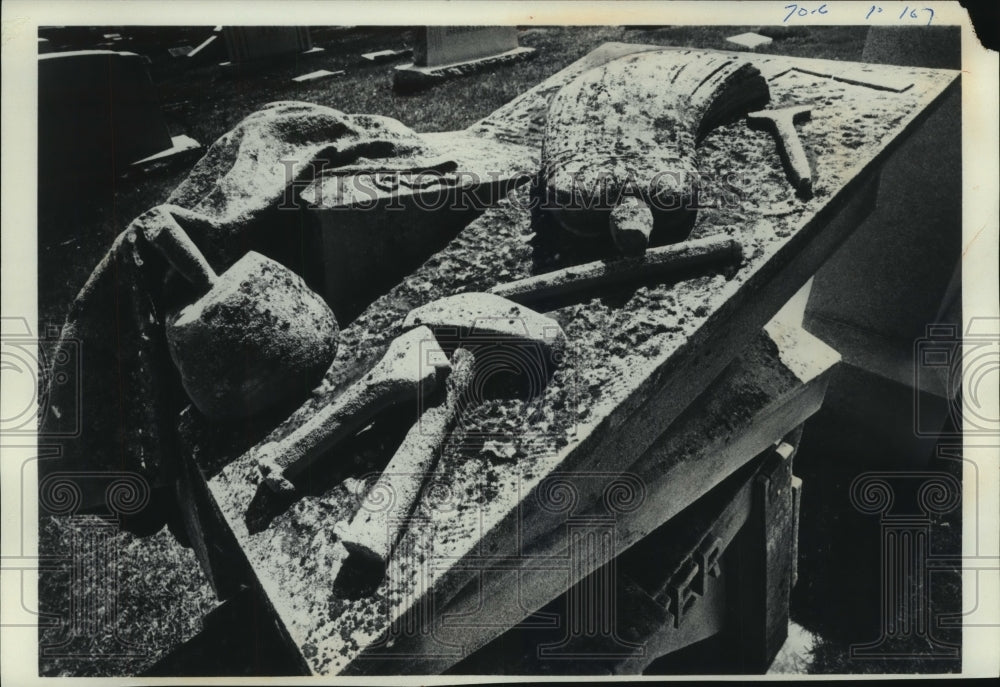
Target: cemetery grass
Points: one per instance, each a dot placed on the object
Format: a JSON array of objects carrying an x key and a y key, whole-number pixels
[{"x": 162, "y": 594}]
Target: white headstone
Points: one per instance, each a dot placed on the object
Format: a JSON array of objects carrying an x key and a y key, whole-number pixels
[{"x": 441, "y": 45}]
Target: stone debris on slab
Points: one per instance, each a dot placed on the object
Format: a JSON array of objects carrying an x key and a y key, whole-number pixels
[
  {"x": 259, "y": 337},
  {"x": 484, "y": 317},
  {"x": 749, "y": 40},
  {"x": 242, "y": 173},
  {"x": 702, "y": 255},
  {"x": 781, "y": 122},
  {"x": 412, "y": 367},
  {"x": 373, "y": 532},
  {"x": 318, "y": 74}
]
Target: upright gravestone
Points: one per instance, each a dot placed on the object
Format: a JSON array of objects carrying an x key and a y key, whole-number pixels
[
  {"x": 98, "y": 115},
  {"x": 442, "y": 52},
  {"x": 256, "y": 44}
]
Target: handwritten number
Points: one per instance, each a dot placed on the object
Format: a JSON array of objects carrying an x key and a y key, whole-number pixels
[{"x": 796, "y": 10}]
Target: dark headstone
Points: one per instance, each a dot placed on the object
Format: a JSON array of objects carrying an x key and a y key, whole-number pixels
[
  {"x": 97, "y": 114},
  {"x": 254, "y": 43}
]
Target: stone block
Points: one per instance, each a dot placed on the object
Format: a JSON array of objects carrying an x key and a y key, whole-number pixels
[
  {"x": 440, "y": 45},
  {"x": 372, "y": 236},
  {"x": 443, "y": 52}
]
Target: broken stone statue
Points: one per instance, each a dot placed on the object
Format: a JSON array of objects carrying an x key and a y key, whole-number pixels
[
  {"x": 620, "y": 147},
  {"x": 227, "y": 206}
]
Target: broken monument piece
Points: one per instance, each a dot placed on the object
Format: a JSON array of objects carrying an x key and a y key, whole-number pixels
[
  {"x": 781, "y": 123},
  {"x": 482, "y": 331},
  {"x": 229, "y": 204},
  {"x": 412, "y": 367},
  {"x": 255, "y": 336},
  {"x": 630, "y": 128}
]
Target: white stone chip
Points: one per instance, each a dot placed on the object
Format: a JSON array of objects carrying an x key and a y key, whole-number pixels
[
  {"x": 750, "y": 41},
  {"x": 318, "y": 74}
]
